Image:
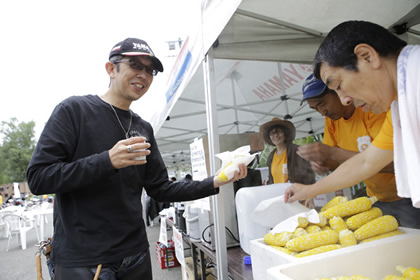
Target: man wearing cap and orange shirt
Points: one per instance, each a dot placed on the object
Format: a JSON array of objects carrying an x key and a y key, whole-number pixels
[
  {"x": 97, "y": 155},
  {"x": 348, "y": 131}
]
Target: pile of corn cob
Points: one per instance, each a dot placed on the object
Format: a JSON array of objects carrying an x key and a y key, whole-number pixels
[
  {"x": 408, "y": 273},
  {"x": 342, "y": 223}
]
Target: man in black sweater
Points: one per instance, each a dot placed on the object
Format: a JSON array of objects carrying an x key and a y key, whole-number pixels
[{"x": 97, "y": 155}]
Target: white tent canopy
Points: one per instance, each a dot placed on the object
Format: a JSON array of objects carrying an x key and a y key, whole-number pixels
[{"x": 242, "y": 33}]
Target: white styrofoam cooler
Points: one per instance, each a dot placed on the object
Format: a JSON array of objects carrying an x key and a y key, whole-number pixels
[
  {"x": 246, "y": 201},
  {"x": 366, "y": 259}
]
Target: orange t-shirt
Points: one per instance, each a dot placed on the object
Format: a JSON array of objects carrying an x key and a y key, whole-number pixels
[
  {"x": 356, "y": 134},
  {"x": 279, "y": 168},
  {"x": 384, "y": 140}
]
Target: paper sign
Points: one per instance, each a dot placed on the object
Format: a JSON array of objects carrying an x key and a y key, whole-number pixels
[
  {"x": 179, "y": 245},
  {"x": 198, "y": 160}
]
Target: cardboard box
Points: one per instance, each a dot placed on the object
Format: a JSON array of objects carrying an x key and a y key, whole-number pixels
[
  {"x": 264, "y": 258},
  {"x": 166, "y": 256}
]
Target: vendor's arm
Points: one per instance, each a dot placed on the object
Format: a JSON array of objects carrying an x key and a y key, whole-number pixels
[
  {"x": 330, "y": 157},
  {"x": 351, "y": 172}
]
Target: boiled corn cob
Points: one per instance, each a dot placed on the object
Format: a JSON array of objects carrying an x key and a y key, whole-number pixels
[
  {"x": 336, "y": 200},
  {"x": 312, "y": 240},
  {"x": 278, "y": 239},
  {"x": 383, "y": 235},
  {"x": 394, "y": 277},
  {"x": 318, "y": 250},
  {"x": 354, "y": 277},
  {"x": 299, "y": 231},
  {"x": 312, "y": 228},
  {"x": 360, "y": 277},
  {"x": 375, "y": 227},
  {"x": 409, "y": 272},
  {"x": 323, "y": 221},
  {"x": 337, "y": 224},
  {"x": 284, "y": 250},
  {"x": 346, "y": 238},
  {"x": 356, "y": 221},
  {"x": 303, "y": 222},
  {"x": 326, "y": 228},
  {"x": 351, "y": 207}
]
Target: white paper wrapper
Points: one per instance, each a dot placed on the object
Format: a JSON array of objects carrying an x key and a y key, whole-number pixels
[
  {"x": 271, "y": 212},
  {"x": 292, "y": 223},
  {"x": 231, "y": 161}
]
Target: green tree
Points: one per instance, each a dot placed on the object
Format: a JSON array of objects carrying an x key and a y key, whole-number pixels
[{"x": 18, "y": 144}]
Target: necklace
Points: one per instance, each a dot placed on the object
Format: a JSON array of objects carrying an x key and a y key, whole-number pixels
[{"x": 129, "y": 126}]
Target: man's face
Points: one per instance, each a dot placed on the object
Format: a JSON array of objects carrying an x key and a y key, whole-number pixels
[
  {"x": 328, "y": 106},
  {"x": 365, "y": 88},
  {"x": 132, "y": 83}
]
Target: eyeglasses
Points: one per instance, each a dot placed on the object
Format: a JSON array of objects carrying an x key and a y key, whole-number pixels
[
  {"x": 137, "y": 65},
  {"x": 275, "y": 131}
]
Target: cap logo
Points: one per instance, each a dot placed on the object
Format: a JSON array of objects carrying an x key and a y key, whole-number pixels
[{"x": 144, "y": 47}]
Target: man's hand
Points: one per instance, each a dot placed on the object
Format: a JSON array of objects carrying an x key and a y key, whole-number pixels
[
  {"x": 315, "y": 152},
  {"x": 319, "y": 167},
  {"x": 243, "y": 171},
  {"x": 123, "y": 153},
  {"x": 298, "y": 192}
]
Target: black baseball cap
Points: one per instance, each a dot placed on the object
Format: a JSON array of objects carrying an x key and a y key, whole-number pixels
[{"x": 135, "y": 47}]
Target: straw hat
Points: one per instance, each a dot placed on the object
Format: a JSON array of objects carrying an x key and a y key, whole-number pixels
[{"x": 288, "y": 128}]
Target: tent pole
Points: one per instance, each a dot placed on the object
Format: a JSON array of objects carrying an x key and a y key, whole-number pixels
[{"x": 214, "y": 148}]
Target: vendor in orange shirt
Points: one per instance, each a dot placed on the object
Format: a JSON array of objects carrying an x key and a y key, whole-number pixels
[
  {"x": 371, "y": 68},
  {"x": 284, "y": 164},
  {"x": 348, "y": 131}
]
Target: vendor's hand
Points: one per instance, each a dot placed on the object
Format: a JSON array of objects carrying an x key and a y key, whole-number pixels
[
  {"x": 319, "y": 167},
  {"x": 123, "y": 153},
  {"x": 298, "y": 192},
  {"x": 243, "y": 171},
  {"x": 314, "y": 152}
]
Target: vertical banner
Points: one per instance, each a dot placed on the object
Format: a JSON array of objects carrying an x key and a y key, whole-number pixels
[
  {"x": 163, "y": 236},
  {"x": 16, "y": 190}
]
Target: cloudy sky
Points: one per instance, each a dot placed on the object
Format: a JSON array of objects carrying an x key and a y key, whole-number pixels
[{"x": 53, "y": 49}]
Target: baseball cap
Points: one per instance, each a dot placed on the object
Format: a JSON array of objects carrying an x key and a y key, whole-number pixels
[
  {"x": 312, "y": 87},
  {"x": 135, "y": 47}
]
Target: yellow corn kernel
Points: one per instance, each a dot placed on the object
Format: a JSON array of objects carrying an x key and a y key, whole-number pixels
[
  {"x": 278, "y": 239},
  {"x": 394, "y": 277},
  {"x": 356, "y": 221},
  {"x": 284, "y": 250},
  {"x": 299, "y": 231},
  {"x": 326, "y": 228},
  {"x": 337, "y": 224},
  {"x": 409, "y": 272},
  {"x": 383, "y": 235},
  {"x": 375, "y": 227},
  {"x": 312, "y": 228},
  {"x": 360, "y": 277},
  {"x": 312, "y": 240},
  {"x": 351, "y": 207},
  {"x": 346, "y": 238},
  {"x": 303, "y": 222},
  {"x": 335, "y": 201},
  {"x": 318, "y": 250}
]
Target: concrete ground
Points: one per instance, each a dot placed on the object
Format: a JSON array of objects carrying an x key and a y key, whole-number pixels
[{"x": 20, "y": 264}]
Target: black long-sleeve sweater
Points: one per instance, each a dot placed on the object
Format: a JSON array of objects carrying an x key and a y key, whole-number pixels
[{"x": 97, "y": 209}]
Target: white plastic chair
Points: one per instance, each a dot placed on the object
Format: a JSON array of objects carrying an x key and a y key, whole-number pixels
[{"x": 18, "y": 225}]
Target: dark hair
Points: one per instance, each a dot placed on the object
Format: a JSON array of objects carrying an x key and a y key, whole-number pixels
[
  {"x": 116, "y": 58},
  {"x": 337, "y": 49}
]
